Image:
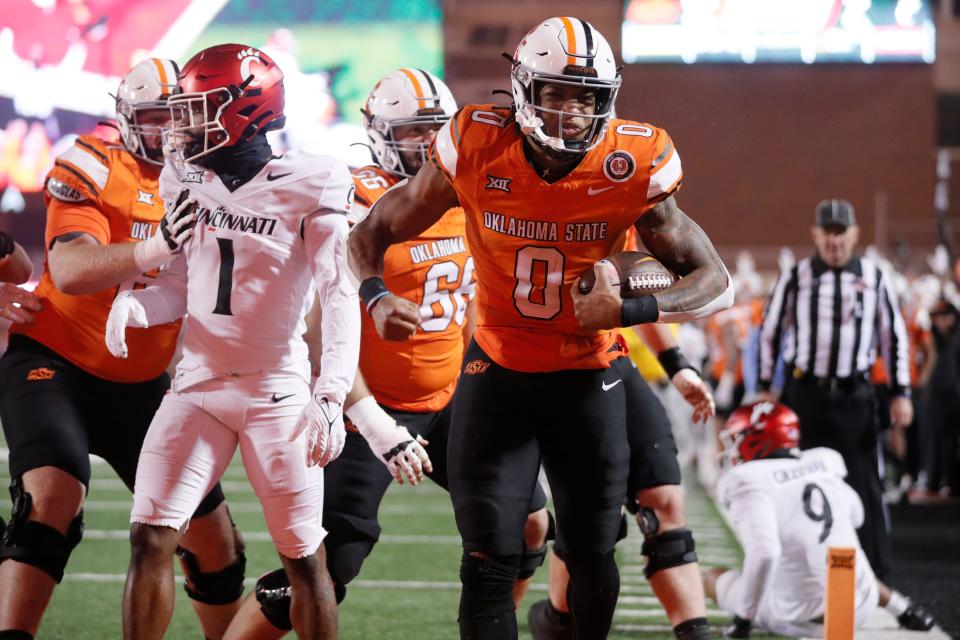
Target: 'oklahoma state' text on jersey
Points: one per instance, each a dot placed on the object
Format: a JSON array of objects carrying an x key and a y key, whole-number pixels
[
  {"x": 102, "y": 190},
  {"x": 531, "y": 239},
  {"x": 434, "y": 270}
]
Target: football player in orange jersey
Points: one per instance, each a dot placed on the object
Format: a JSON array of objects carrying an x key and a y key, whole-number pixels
[
  {"x": 63, "y": 396},
  {"x": 548, "y": 187},
  {"x": 15, "y": 268},
  {"x": 401, "y": 395}
]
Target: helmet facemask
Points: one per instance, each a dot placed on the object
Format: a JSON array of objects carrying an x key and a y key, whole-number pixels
[
  {"x": 135, "y": 133},
  {"x": 528, "y": 84},
  {"x": 195, "y": 127},
  {"x": 388, "y": 151}
]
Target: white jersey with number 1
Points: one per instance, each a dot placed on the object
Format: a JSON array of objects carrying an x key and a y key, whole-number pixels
[
  {"x": 787, "y": 512},
  {"x": 251, "y": 265}
]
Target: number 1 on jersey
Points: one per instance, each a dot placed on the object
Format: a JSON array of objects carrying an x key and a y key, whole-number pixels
[{"x": 225, "y": 285}]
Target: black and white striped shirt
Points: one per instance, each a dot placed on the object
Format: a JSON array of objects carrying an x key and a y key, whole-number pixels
[{"x": 830, "y": 323}]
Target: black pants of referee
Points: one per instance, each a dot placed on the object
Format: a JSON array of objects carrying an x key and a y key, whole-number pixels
[{"x": 845, "y": 419}]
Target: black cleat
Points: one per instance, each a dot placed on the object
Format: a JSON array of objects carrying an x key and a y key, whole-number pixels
[
  {"x": 916, "y": 618},
  {"x": 546, "y": 623}
]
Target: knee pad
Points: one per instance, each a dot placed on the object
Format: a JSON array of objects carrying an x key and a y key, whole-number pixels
[
  {"x": 669, "y": 549},
  {"x": 532, "y": 559},
  {"x": 487, "y": 585},
  {"x": 36, "y": 543},
  {"x": 648, "y": 521},
  {"x": 273, "y": 595},
  {"x": 216, "y": 587}
]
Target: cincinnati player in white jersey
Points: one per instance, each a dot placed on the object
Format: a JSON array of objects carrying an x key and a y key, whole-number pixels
[
  {"x": 788, "y": 508},
  {"x": 269, "y": 231}
]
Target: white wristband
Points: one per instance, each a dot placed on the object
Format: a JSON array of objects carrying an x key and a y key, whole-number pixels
[
  {"x": 369, "y": 417},
  {"x": 151, "y": 253}
]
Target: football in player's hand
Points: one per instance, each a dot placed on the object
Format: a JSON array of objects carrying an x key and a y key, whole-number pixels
[{"x": 638, "y": 273}]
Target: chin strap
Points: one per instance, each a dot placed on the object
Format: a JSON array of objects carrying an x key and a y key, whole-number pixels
[{"x": 532, "y": 125}]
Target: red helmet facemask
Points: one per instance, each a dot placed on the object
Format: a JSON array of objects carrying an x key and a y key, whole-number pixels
[
  {"x": 758, "y": 430},
  {"x": 227, "y": 94}
]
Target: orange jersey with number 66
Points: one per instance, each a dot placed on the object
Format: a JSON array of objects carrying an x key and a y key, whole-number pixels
[
  {"x": 101, "y": 190},
  {"x": 434, "y": 270},
  {"x": 532, "y": 239}
]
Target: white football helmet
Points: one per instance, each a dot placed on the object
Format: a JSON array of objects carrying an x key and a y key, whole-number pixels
[
  {"x": 145, "y": 87},
  {"x": 566, "y": 51},
  {"x": 403, "y": 97}
]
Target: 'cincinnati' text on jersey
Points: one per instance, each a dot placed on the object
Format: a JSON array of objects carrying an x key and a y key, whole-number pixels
[{"x": 223, "y": 219}]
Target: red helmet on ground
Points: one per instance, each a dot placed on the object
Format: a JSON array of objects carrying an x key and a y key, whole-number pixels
[
  {"x": 227, "y": 94},
  {"x": 758, "y": 430}
]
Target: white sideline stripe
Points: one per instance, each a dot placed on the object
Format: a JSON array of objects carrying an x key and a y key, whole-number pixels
[
  {"x": 419, "y": 585},
  {"x": 263, "y": 536},
  {"x": 240, "y": 506},
  {"x": 643, "y": 628},
  {"x": 656, "y": 613}
]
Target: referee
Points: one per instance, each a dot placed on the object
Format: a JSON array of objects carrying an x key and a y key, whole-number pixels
[{"x": 829, "y": 314}]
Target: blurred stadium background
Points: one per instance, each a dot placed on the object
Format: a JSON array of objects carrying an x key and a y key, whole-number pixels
[{"x": 774, "y": 104}]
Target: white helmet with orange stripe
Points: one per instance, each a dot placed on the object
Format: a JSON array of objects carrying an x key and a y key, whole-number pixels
[
  {"x": 405, "y": 98},
  {"x": 565, "y": 52},
  {"x": 144, "y": 88}
]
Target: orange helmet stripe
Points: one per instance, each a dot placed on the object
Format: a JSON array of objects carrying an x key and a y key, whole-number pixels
[
  {"x": 571, "y": 39},
  {"x": 421, "y": 101},
  {"x": 164, "y": 82}
]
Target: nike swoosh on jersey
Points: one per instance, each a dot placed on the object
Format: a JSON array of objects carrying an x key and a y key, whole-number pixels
[
  {"x": 271, "y": 177},
  {"x": 275, "y": 399},
  {"x": 591, "y": 191},
  {"x": 607, "y": 387}
]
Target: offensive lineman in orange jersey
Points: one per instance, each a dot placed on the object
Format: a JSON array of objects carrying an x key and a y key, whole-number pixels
[
  {"x": 62, "y": 395},
  {"x": 548, "y": 187},
  {"x": 402, "y": 393}
]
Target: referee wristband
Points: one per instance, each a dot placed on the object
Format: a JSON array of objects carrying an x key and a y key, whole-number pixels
[
  {"x": 642, "y": 310},
  {"x": 672, "y": 361},
  {"x": 372, "y": 290}
]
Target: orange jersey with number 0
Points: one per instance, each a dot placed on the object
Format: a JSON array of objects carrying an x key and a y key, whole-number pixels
[
  {"x": 532, "y": 239},
  {"x": 102, "y": 190},
  {"x": 434, "y": 270}
]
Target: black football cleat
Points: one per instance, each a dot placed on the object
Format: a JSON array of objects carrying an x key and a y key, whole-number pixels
[
  {"x": 916, "y": 618},
  {"x": 546, "y": 623}
]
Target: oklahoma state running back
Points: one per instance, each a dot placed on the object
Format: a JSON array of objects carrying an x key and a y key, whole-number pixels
[
  {"x": 63, "y": 396},
  {"x": 409, "y": 384},
  {"x": 548, "y": 187}
]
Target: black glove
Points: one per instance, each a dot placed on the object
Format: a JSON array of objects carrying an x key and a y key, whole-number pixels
[
  {"x": 6, "y": 245},
  {"x": 739, "y": 628}
]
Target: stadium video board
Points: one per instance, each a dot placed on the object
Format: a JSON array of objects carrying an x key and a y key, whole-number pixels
[
  {"x": 63, "y": 60},
  {"x": 787, "y": 31}
]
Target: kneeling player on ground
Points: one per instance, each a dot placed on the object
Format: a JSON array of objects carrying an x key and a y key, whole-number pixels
[
  {"x": 269, "y": 230},
  {"x": 653, "y": 495},
  {"x": 403, "y": 388},
  {"x": 781, "y": 587},
  {"x": 63, "y": 396}
]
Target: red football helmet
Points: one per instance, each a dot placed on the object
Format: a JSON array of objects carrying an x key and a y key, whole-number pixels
[
  {"x": 755, "y": 431},
  {"x": 227, "y": 94}
]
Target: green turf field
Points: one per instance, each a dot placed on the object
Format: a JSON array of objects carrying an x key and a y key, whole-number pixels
[{"x": 408, "y": 587}]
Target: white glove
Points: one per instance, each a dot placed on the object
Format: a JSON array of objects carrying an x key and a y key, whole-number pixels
[
  {"x": 696, "y": 393},
  {"x": 396, "y": 447},
  {"x": 726, "y": 385},
  {"x": 176, "y": 227},
  {"x": 125, "y": 312},
  {"x": 323, "y": 422}
]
